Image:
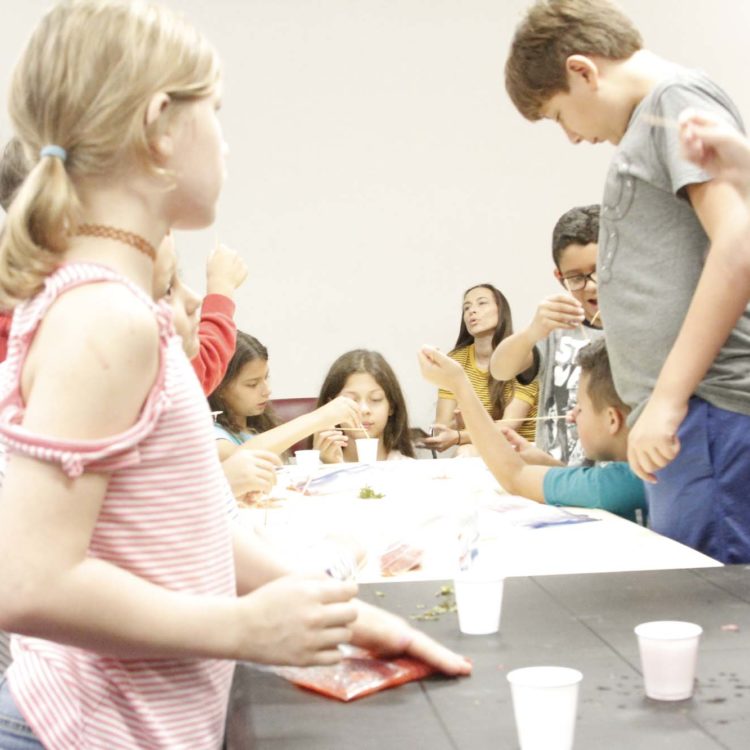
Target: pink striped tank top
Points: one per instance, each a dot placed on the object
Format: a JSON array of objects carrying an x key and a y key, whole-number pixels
[{"x": 164, "y": 518}]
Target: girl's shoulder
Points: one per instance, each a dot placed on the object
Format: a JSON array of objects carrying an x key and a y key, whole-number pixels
[{"x": 238, "y": 438}]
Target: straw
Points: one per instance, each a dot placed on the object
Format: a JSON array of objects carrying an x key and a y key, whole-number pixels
[
  {"x": 531, "y": 419},
  {"x": 580, "y": 325}
]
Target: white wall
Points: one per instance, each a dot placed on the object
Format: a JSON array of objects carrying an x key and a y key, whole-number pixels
[{"x": 377, "y": 167}]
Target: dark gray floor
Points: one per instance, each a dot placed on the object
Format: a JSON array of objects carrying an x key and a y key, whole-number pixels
[{"x": 582, "y": 621}]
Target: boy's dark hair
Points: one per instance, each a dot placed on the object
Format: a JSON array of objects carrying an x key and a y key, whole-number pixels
[
  {"x": 396, "y": 433},
  {"x": 594, "y": 361},
  {"x": 13, "y": 170},
  {"x": 579, "y": 226},
  {"x": 550, "y": 33}
]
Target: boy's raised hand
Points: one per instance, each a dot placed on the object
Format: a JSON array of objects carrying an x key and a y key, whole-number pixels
[
  {"x": 557, "y": 311},
  {"x": 295, "y": 620},
  {"x": 653, "y": 441},
  {"x": 439, "y": 369},
  {"x": 225, "y": 271},
  {"x": 717, "y": 147}
]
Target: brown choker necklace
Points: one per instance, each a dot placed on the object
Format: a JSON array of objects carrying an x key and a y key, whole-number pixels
[{"x": 112, "y": 233}]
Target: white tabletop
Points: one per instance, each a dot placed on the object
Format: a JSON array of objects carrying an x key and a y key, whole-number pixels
[{"x": 430, "y": 504}]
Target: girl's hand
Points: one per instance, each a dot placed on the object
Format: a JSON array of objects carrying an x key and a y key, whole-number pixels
[
  {"x": 341, "y": 410},
  {"x": 388, "y": 635},
  {"x": 439, "y": 369},
  {"x": 250, "y": 471},
  {"x": 294, "y": 620},
  {"x": 331, "y": 444},
  {"x": 717, "y": 147},
  {"x": 442, "y": 438},
  {"x": 558, "y": 311},
  {"x": 653, "y": 441}
]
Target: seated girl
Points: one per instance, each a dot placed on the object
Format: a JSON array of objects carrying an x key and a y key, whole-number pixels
[
  {"x": 245, "y": 416},
  {"x": 485, "y": 322},
  {"x": 368, "y": 380}
]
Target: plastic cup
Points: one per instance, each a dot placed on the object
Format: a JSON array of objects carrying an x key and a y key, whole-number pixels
[
  {"x": 544, "y": 705},
  {"x": 308, "y": 460},
  {"x": 669, "y": 654},
  {"x": 479, "y": 601},
  {"x": 367, "y": 450}
]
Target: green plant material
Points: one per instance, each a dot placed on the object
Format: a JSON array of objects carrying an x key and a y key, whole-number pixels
[
  {"x": 368, "y": 493},
  {"x": 447, "y": 605}
]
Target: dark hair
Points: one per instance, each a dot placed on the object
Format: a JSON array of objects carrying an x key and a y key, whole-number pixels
[
  {"x": 503, "y": 329},
  {"x": 248, "y": 349},
  {"x": 549, "y": 34},
  {"x": 396, "y": 434},
  {"x": 13, "y": 170},
  {"x": 594, "y": 361},
  {"x": 579, "y": 226}
]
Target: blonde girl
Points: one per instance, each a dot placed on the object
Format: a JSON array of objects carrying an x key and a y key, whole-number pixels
[{"x": 128, "y": 589}]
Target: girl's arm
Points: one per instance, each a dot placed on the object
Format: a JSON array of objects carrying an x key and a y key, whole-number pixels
[
  {"x": 341, "y": 410},
  {"x": 444, "y": 432},
  {"x": 515, "y": 413},
  {"x": 52, "y": 588}
]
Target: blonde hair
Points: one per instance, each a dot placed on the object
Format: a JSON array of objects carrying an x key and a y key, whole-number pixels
[
  {"x": 550, "y": 33},
  {"x": 84, "y": 83}
]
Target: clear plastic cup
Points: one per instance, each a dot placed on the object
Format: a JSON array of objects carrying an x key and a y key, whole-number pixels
[
  {"x": 544, "y": 704},
  {"x": 367, "y": 450},
  {"x": 308, "y": 460},
  {"x": 479, "y": 600},
  {"x": 669, "y": 655}
]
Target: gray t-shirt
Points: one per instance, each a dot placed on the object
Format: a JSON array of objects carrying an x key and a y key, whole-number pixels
[
  {"x": 558, "y": 389},
  {"x": 652, "y": 249}
]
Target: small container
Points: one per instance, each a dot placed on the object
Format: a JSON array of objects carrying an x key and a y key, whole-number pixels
[
  {"x": 367, "y": 450},
  {"x": 307, "y": 460},
  {"x": 544, "y": 705},
  {"x": 479, "y": 599},
  {"x": 669, "y": 656}
]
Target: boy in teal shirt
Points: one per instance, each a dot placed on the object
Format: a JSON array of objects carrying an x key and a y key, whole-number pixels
[{"x": 600, "y": 416}]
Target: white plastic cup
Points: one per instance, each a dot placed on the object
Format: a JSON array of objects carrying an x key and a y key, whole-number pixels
[
  {"x": 308, "y": 460},
  {"x": 367, "y": 450},
  {"x": 669, "y": 655},
  {"x": 544, "y": 705},
  {"x": 479, "y": 601}
]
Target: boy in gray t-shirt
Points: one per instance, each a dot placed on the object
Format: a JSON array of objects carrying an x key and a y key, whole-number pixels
[
  {"x": 564, "y": 323},
  {"x": 674, "y": 279}
]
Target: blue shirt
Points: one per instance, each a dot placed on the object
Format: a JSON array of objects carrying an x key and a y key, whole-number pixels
[
  {"x": 611, "y": 486},
  {"x": 238, "y": 438}
]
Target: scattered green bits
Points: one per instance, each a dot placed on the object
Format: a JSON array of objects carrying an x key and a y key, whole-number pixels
[{"x": 368, "y": 493}]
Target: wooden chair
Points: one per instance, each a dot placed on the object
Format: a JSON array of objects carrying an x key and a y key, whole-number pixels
[{"x": 289, "y": 408}]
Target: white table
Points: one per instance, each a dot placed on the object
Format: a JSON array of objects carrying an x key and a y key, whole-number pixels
[{"x": 430, "y": 502}]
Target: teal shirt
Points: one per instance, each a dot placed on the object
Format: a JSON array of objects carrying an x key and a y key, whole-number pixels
[
  {"x": 611, "y": 486},
  {"x": 222, "y": 433}
]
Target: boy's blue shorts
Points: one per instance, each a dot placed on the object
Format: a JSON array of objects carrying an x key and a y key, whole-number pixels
[{"x": 702, "y": 498}]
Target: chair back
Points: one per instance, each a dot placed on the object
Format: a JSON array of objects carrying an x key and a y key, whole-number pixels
[{"x": 288, "y": 409}]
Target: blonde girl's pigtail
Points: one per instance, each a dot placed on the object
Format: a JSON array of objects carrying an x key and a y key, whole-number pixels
[{"x": 41, "y": 217}]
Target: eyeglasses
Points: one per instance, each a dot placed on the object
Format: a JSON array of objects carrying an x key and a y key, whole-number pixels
[{"x": 578, "y": 282}]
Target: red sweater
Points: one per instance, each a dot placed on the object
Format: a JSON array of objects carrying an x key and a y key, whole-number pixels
[
  {"x": 5, "y": 318},
  {"x": 218, "y": 337}
]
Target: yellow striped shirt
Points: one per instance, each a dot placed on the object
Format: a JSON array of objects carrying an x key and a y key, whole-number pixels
[{"x": 479, "y": 380}]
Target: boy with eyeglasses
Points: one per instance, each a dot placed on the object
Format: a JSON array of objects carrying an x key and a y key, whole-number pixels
[{"x": 564, "y": 323}]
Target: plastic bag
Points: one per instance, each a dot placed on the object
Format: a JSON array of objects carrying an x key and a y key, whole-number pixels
[
  {"x": 401, "y": 557},
  {"x": 358, "y": 674}
]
